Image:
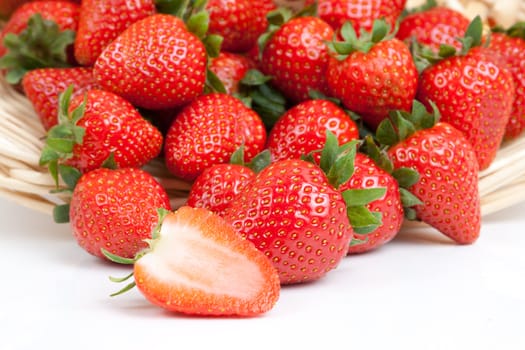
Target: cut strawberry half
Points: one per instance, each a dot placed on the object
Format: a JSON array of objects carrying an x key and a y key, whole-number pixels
[{"x": 198, "y": 264}]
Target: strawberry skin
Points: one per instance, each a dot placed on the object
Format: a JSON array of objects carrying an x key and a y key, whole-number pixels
[
  {"x": 216, "y": 187},
  {"x": 43, "y": 86},
  {"x": 230, "y": 68},
  {"x": 199, "y": 265},
  {"x": 368, "y": 175},
  {"x": 448, "y": 186},
  {"x": 65, "y": 14},
  {"x": 302, "y": 129},
  {"x": 239, "y": 22},
  {"x": 113, "y": 125},
  {"x": 361, "y": 13},
  {"x": 101, "y": 21},
  {"x": 296, "y": 56},
  {"x": 156, "y": 63},
  {"x": 374, "y": 83},
  {"x": 115, "y": 210},
  {"x": 433, "y": 27},
  {"x": 292, "y": 214},
  {"x": 475, "y": 95},
  {"x": 509, "y": 50},
  {"x": 208, "y": 131}
]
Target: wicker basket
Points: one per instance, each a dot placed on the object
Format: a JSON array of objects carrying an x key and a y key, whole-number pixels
[{"x": 25, "y": 182}]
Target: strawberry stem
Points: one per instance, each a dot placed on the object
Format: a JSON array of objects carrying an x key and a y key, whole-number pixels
[{"x": 40, "y": 45}]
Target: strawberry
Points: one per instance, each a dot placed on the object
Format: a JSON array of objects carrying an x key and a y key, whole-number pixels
[
  {"x": 508, "y": 45},
  {"x": 95, "y": 126},
  {"x": 217, "y": 185},
  {"x": 239, "y": 22},
  {"x": 361, "y": 13},
  {"x": 230, "y": 68},
  {"x": 208, "y": 131},
  {"x": 472, "y": 92},
  {"x": 434, "y": 26},
  {"x": 296, "y": 56},
  {"x": 115, "y": 210},
  {"x": 296, "y": 217},
  {"x": 447, "y": 195},
  {"x": 43, "y": 86},
  {"x": 101, "y": 21},
  {"x": 197, "y": 264},
  {"x": 38, "y": 35},
  {"x": 302, "y": 129},
  {"x": 372, "y": 75},
  {"x": 369, "y": 175},
  {"x": 155, "y": 63}
]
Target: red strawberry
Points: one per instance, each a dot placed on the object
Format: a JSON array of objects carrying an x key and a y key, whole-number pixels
[
  {"x": 43, "y": 86},
  {"x": 101, "y": 21},
  {"x": 508, "y": 46},
  {"x": 207, "y": 132},
  {"x": 302, "y": 129},
  {"x": 361, "y": 13},
  {"x": 197, "y": 264},
  {"x": 239, "y": 22},
  {"x": 116, "y": 210},
  {"x": 372, "y": 75},
  {"x": 217, "y": 185},
  {"x": 38, "y": 35},
  {"x": 433, "y": 27},
  {"x": 296, "y": 56},
  {"x": 155, "y": 63},
  {"x": 368, "y": 175},
  {"x": 473, "y": 93},
  {"x": 87, "y": 134},
  {"x": 447, "y": 188},
  {"x": 292, "y": 214},
  {"x": 230, "y": 68}
]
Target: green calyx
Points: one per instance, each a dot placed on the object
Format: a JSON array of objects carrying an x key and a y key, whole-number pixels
[
  {"x": 257, "y": 93},
  {"x": 337, "y": 162},
  {"x": 155, "y": 236},
  {"x": 398, "y": 127},
  {"x": 40, "y": 45},
  {"x": 517, "y": 30},
  {"x": 258, "y": 163},
  {"x": 428, "y": 5},
  {"x": 401, "y": 124},
  {"x": 363, "y": 43}
]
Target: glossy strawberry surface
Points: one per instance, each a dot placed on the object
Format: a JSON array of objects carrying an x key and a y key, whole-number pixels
[
  {"x": 239, "y": 22},
  {"x": 115, "y": 210},
  {"x": 43, "y": 86},
  {"x": 474, "y": 94},
  {"x": 156, "y": 63},
  {"x": 509, "y": 50},
  {"x": 101, "y": 21},
  {"x": 302, "y": 129},
  {"x": 368, "y": 175},
  {"x": 448, "y": 184},
  {"x": 292, "y": 214},
  {"x": 433, "y": 27},
  {"x": 208, "y": 131},
  {"x": 113, "y": 126},
  {"x": 376, "y": 82},
  {"x": 218, "y": 185},
  {"x": 296, "y": 57}
]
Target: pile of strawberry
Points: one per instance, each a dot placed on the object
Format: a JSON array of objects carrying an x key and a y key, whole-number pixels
[{"x": 306, "y": 136}]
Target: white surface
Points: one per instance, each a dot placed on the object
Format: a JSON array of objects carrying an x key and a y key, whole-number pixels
[{"x": 418, "y": 292}]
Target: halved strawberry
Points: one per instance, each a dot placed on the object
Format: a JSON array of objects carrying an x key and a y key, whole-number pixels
[{"x": 198, "y": 264}]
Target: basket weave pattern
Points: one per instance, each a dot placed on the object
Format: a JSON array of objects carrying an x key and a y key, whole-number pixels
[{"x": 25, "y": 182}]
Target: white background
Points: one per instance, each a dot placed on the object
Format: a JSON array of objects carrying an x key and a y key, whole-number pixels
[{"x": 418, "y": 292}]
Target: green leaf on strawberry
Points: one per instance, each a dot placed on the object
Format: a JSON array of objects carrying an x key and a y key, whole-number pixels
[{"x": 41, "y": 44}]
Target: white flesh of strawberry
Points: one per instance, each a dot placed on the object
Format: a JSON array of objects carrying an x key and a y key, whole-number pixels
[{"x": 184, "y": 256}]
